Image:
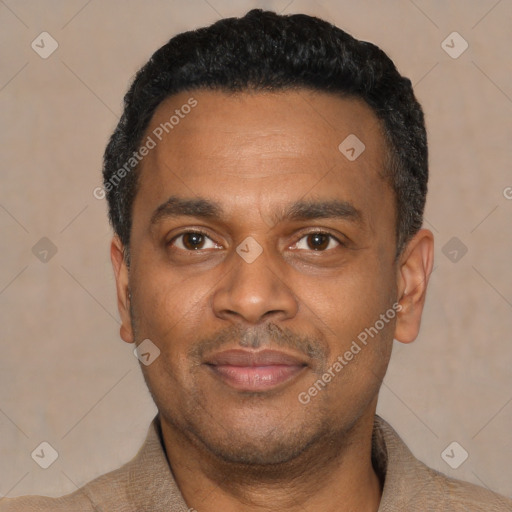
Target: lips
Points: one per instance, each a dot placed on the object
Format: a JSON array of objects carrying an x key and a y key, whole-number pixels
[{"x": 254, "y": 371}]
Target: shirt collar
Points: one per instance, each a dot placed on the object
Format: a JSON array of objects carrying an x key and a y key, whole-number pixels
[{"x": 152, "y": 485}]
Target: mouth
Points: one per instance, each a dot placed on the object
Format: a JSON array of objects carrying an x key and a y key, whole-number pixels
[{"x": 255, "y": 371}]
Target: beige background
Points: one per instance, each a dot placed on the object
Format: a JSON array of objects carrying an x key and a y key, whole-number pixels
[{"x": 65, "y": 375}]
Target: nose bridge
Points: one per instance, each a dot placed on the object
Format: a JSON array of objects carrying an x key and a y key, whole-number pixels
[{"x": 253, "y": 288}]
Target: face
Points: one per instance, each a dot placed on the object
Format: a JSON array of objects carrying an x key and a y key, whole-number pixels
[{"x": 260, "y": 253}]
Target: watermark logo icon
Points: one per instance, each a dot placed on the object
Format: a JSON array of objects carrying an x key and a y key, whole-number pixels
[
  {"x": 44, "y": 45},
  {"x": 351, "y": 147},
  {"x": 146, "y": 352},
  {"x": 454, "y": 249},
  {"x": 454, "y": 455},
  {"x": 249, "y": 249},
  {"x": 454, "y": 45},
  {"x": 44, "y": 455},
  {"x": 44, "y": 250}
]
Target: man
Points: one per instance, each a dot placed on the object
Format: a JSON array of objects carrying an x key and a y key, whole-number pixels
[{"x": 266, "y": 186}]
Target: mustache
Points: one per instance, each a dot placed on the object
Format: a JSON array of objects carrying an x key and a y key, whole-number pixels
[{"x": 267, "y": 335}]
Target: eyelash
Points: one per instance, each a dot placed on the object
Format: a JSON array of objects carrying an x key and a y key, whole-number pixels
[{"x": 203, "y": 233}]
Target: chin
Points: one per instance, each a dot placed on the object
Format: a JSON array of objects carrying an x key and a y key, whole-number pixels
[
  {"x": 272, "y": 449},
  {"x": 256, "y": 439}
]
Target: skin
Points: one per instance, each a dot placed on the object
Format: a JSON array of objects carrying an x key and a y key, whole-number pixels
[{"x": 254, "y": 154}]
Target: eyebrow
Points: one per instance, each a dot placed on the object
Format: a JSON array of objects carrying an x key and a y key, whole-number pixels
[
  {"x": 327, "y": 209},
  {"x": 178, "y": 207},
  {"x": 300, "y": 210}
]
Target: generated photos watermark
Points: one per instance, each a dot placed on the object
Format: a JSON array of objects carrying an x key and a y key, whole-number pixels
[
  {"x": 343, "y": 360},
  {"x": 150, "y": 143}
]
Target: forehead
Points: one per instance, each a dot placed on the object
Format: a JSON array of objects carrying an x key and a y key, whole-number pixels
[{"x": 257, "y": 149}]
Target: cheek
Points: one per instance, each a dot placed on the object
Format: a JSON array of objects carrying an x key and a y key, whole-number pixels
[
  {"x": 170, "y": 311},
  {"x": 353, "y": 296},
  {"x": 359, "y": 358},
  {"x": 355, "y": 311},
  {"x": 169, "y": 315},
  {"x": 166, "y": 303},
  {"x": 365, "y": 320}
]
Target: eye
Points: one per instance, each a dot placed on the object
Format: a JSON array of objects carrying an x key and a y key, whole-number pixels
[
  {"x": 193, "y": 241},
  {"x": 317, "y": 241}
]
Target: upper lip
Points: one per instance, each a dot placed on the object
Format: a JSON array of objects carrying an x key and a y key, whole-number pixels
[{"x": 239, "y": 357}]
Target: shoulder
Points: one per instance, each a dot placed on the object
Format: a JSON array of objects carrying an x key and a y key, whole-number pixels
[
  {"x": 77, "y": 501},
  {"x": 92, "y": 497},
  {"x": 144, "y": 483},
  {"x": 456, "y": 495},
  {"x": 411, "y": 485},
  {"x": 111, "y": 491}
]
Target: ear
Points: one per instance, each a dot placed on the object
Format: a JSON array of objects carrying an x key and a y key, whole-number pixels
[
  {"x": 123, "y": 289},
  {"x": 415, "y": 267}
]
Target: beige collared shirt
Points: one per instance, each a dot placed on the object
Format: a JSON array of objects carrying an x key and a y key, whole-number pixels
[{"x": 146, "y": 484}]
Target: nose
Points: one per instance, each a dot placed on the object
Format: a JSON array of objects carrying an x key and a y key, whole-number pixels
[{"x": 255, "y": 292}]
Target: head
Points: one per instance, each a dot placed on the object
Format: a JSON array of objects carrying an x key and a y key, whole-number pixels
[{"x": 266, "y": 185}]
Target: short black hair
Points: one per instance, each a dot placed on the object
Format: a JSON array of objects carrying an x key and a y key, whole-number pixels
[{"x": 265, "y": 51}]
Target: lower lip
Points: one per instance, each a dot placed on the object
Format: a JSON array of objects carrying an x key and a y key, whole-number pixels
[{"x": 256, "y": 378}]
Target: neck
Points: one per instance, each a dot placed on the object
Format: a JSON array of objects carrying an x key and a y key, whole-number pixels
[{"x": 333, "y": 474}]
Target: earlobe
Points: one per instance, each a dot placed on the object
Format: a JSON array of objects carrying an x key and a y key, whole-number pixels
[
  {"x": 123, "y": 290},
  {"x": 414, "y": 271}
]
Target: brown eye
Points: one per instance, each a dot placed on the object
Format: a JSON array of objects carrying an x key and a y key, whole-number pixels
[
  {"x": 317, "y": 242},
  {"x": 192, "y": 241}
]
